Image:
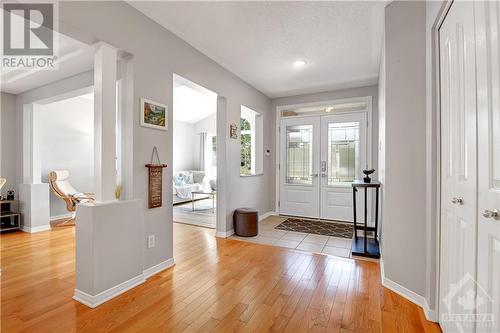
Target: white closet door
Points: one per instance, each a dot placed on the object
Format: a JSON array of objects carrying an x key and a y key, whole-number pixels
[
  {"x": 458, "y": 165},
  {"x": 488, "y": 81}
]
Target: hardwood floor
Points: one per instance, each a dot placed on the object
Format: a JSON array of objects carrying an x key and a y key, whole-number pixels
[{"x": 217, "y": 285}]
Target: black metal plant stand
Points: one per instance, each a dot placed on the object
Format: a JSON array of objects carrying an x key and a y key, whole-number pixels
[{"x": 365, "y": 246}]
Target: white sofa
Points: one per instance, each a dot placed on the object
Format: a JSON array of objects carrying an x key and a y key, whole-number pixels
[{"x": 188, "y": 181}]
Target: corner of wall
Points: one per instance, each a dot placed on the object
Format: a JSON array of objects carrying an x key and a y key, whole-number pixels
[{"x": 413, "y": 297}]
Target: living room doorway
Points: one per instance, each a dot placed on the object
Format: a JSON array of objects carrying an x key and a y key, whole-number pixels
[{"x": 194, "y": 154}]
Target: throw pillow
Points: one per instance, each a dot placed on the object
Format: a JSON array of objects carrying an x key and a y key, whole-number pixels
[{"x": 178, "y": 180}]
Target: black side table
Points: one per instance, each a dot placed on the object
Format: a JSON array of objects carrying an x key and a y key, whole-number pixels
[
  {"x": 9, "y": 217},
  {"x": 365, "y": 247}
]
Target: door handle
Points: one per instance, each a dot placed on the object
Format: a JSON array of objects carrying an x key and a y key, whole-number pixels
[
  {"x": 458, "y": 200},
  {"x": 323, "y": 174},
  {"x": 491, "y": 213},
  {"x": 313, "y": 175}
]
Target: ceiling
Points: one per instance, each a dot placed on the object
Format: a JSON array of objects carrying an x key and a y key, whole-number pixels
[
  {"x": 74, "y": 57},
  {"x": 258, "y": 41},
  {"x": 192, "y": 102}
]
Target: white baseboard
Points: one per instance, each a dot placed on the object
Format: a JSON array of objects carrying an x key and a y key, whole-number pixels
[
  {"x": 94, "y": 301},
  {"x": 148, "y": 272},
  {"x": 266, "y": 215},
  {"x": 221, "y": 234},
  {"x": 60, "y": 217},
  {"x": 39, "y": 228},
  {"x": 408, "y": 294},
  {"x": 430, "y": 315}
]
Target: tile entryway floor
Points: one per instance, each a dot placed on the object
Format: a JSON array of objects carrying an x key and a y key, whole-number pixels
[{"x": 340, "y": 247}]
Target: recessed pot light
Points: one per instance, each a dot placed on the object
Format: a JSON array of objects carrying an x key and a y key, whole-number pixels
[{"x": 299, "y": 63}]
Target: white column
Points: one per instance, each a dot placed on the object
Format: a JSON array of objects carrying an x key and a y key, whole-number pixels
[
  {"x": 127, "y": 124},
  {"x": 105, "y": 63},
  {"x": 27, "y": 144},
  {"x": 223, "y": 219},
  {"x": 36, "y": 165},
  {"x": 33, "y": 194}
]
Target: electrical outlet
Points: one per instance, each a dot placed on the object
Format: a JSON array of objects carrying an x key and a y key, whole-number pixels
[{"x": 151, "y": 241}]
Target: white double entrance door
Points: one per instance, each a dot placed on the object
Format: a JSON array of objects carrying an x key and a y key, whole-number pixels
[{"x": 319, "y": 158}]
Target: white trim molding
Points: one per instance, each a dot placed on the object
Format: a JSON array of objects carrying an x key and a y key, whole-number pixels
[
  {"x": 95, "y": 301},
  {"x": 60, "y": 217},
  {"x": 266, "y": 215},
  {"x": 224, "y": 234},
  {"x": 39, "y": 228},
  {"x": 148, "y": 272},
  {"x": 106, "y": 295},
  {"x": 408, "y": 294}
]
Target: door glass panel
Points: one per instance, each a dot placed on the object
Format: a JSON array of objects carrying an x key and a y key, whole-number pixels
[
  {"x": 343, "y": 152},
  {"x": 299, "y": 154}
]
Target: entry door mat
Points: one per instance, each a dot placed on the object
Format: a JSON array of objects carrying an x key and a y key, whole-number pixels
[{"x": 335, "y": 229}]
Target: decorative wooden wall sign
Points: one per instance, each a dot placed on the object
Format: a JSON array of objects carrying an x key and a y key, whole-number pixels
[
  {"x": 155, "y": 181},
  {"x": 233, "y": 131}
]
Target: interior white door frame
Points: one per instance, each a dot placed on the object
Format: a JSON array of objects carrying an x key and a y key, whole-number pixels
[
  {"x": 31, "y": 163},
  {"x": 221, "y": 228},
  {"x": 31, "y": 172},
  {"x": 279, "y": 108},
  {"x": 433, "y": 153}
]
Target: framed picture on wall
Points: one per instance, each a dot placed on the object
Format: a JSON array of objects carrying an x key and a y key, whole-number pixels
[
  {"x": 233, "y": 131},
  {"x": 153, "y": 114}
]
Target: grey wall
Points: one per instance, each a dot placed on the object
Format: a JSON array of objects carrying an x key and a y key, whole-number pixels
[
  {"x": 158, "y": 54},
  {"x": 187, "y": 142},
  {"x": 326, "y": 96},
  {"x": 205, "y": 125},
  {"x": 403, "y": 91},
  {"x": 68, "y": 85},
  {"x": 65, "y": 132},
  {"x": 8, "y": 141},
  {"x": 185, "y": 147},
  {"x": 208, "y": 124}
]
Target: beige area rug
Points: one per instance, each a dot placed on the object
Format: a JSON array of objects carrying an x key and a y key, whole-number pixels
[{"x": 202, "y": 216}]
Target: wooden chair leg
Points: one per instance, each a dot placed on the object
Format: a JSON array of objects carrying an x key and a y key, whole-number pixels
[{"x": 68, "y": 222}]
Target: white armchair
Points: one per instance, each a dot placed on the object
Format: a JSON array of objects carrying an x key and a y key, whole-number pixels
[
  {"x": 62, "y": 188},
  {"x": 186, "y": 182}
]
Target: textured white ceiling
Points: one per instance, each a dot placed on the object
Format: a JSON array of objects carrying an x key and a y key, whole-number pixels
[
  {"x": 192, "y": 102},
  {"x": 258, "y": 41},
  {"x": 74, "y": 57}
]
